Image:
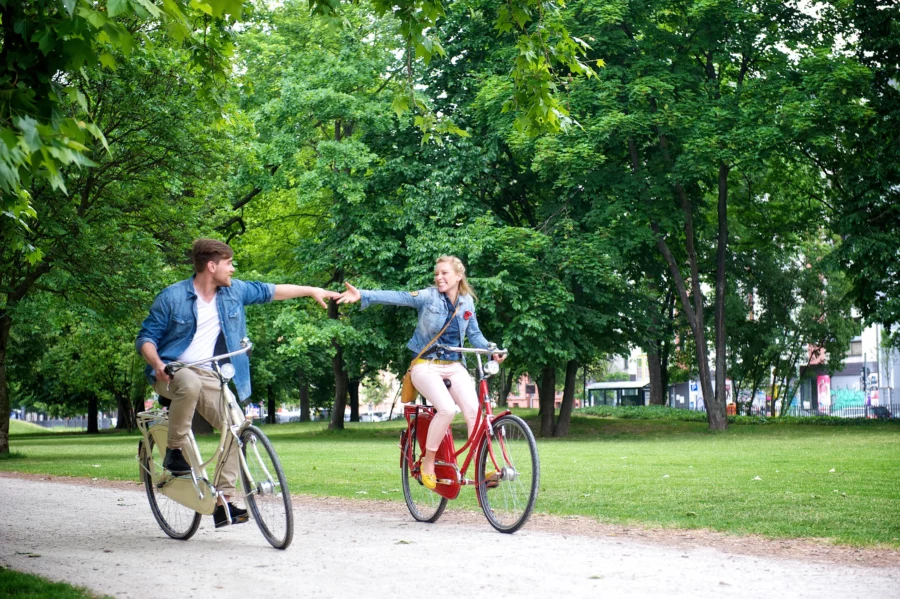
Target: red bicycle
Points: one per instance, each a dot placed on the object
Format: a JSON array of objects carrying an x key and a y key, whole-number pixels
[{"x": 507, "y": 469}]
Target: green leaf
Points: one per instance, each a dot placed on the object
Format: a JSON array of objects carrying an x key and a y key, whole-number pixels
[
  {"x": 46, "y": 41},
  {"x": 149, "y": 7},
  {"x": 9, "y": 138},
  {"x": 204, "y": 7},
  {"x": 76, "y": 96},
  {"x": 115, "y": 8},
  {"x": 108, "y": 61},
  {"x": 400, "y": 105},
  {"x": 30, "y": 134},
  {"x": 221, "y": 8}
]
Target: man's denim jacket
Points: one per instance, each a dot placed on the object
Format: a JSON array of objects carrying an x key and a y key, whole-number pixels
[
  {"x": 172, "y": 322},
  {"x": 433, "y": 313}
]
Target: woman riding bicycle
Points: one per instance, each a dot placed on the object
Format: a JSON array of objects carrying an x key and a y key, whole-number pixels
[{"x": 449, "y": 306}]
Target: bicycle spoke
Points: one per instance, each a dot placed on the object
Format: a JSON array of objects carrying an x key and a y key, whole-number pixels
[
  {"x": 424, "y": 504},
  {"x": 265, "y": 489},
  {"x": 176, "y": 520},
  {"x": 508, "y": 503}
]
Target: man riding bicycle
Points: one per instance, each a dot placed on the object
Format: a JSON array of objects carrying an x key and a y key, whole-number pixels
[{"x": 189, "y": 321}]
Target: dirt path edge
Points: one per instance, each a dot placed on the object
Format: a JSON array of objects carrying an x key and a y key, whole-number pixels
[{"x": 817, "y": 550}]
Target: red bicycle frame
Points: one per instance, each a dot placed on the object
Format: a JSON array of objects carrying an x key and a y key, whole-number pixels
[{"x": 450, "y": 476}]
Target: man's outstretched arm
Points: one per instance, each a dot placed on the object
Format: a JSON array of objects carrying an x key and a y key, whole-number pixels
[{"x": 283, "y": 292}]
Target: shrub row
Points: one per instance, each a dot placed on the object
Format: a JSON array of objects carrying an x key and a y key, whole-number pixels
[{"x": 675, "y": 414}]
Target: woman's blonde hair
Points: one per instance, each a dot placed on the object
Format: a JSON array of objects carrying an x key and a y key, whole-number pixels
[{"x": 460, "y": 269}]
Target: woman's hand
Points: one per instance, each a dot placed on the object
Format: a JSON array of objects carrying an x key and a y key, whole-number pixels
[
  {"x": 350, "y": 296},
  {"x": 498, "y": 358}
]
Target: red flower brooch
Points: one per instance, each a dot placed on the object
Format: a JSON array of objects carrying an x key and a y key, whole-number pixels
[{"x": 467, "y": 315}]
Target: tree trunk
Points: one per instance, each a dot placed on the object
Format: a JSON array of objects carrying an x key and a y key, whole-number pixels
[
  {"x": 137, "y": 399},
  {"x": 568, "y": 400},
  {"x": 353, "y": 391},
  {"x": 92, "y": 428},
  {"x": 341, "y": 384},
  {"x": 664, "y": 372},
  {"x": 654, "y": 366},
  {"x": 547, "y": 399},
  {"x": 125, "y": 413},
  {"x": 304, "y": 398},
  {"x": 507, "y": 388},
  {"x": 5, "y": 325},
  {"x": 341, "y": 381},
  {"x": 694, "y": 315},
  {"x": 270, "y": 405},
  {"x": 714, "y": 415},
  {"x": 718, "y": 410}
]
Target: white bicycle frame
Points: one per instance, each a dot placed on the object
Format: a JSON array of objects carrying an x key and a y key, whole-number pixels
[{"x": 195, "y": 490}]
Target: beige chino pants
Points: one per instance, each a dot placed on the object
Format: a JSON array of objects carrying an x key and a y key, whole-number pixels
[{"x": 197, "y": 389}]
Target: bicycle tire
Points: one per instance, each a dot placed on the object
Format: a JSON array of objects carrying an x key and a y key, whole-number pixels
[
  {"x": 424, "y": 504},
  {"x": 509, "y": 503},
  {"x": 176, "y": 520},
  {"x": 267, "y": 497}
]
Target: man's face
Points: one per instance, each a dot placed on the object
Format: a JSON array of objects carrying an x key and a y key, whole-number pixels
[{"x": 222, "y": 271}]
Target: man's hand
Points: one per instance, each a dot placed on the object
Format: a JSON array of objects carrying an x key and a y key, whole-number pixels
[
  {"x": 351, "y": 296},
  {"x": 320, "y": 295},
  {"x": 161, "y": 374},
  {"x": 148, "y": 350},
  {"x": 283, "y": 292}
]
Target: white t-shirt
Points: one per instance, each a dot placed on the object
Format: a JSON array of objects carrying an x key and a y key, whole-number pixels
[{"x": 208, "y": 328}]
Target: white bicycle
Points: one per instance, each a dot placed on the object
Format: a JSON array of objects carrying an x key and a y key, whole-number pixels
[{"x": 179, "y": 501}]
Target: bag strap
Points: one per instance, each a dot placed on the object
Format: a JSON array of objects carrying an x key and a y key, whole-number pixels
[
  {"x": 438, "y": 336},
  {"x": 424, "y": 349}
]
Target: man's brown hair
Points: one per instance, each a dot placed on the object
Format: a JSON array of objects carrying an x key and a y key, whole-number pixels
[{"x": 206, "y": 250}]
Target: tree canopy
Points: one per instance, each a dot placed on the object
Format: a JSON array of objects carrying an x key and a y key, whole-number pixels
[{"x": 712, "y": 182}]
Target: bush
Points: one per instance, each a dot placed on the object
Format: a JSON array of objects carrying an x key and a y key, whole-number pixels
[
  {"x": 681, "y": 415},
  {"x": 644, "y": 413}
]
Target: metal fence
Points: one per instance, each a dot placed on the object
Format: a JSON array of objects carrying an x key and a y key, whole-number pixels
[{"x": 890, "y": 411}]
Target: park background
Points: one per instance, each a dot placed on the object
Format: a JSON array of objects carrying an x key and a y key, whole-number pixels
[{"x": 712, "y": 184}]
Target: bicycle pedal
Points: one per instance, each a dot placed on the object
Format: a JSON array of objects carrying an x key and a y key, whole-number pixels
[{"x": 444, "y": 481}]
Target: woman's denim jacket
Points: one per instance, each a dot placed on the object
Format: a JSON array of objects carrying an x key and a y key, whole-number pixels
[
  {"x": 433, "y": 313},
  {"x": 172, "y": 322}
]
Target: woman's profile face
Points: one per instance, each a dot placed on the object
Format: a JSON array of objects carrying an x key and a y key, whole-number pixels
[{"x": 445, "y": 277}]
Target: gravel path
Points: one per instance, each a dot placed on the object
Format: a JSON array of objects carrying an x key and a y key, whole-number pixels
[{"x": 104, "y": 537}]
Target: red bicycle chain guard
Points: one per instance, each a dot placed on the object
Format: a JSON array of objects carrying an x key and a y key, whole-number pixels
[{"x": 445, "y": 453}]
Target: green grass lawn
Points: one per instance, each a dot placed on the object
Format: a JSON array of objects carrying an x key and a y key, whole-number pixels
[
  {"x": 788, "y": 480},
  {"x": 28, "y": 586},
  {"x": 17, "y": 427}
]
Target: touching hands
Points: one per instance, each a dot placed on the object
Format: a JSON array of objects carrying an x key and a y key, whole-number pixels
[
  {"x": 350, "y": 296},
  {"x": 320, "y": 295}
]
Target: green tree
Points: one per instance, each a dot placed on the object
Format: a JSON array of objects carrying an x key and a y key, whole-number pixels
[
  {"x": 851, "y": 135},
  {"x": 690, "y": 102},
  {"x": 107, "y": 242},
  {"x": 68, "y": 361},
  {"x": 47, "y": 50}
]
